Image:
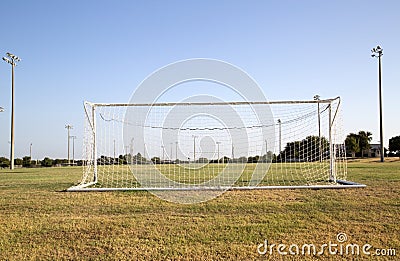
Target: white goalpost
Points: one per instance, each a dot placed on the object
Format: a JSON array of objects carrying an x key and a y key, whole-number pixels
[{"x": 214, "y": 146}]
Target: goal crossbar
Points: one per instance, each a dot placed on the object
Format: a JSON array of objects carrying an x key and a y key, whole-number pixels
[{"x": 328, "y": 101}]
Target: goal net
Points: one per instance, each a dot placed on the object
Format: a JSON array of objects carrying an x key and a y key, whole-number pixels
[{"x": 214, "y": 145}]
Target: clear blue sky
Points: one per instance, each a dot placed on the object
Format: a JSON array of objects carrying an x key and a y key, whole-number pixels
[{"x": 101, "y": 50}]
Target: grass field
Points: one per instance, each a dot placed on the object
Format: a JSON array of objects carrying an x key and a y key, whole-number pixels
[{"x": 38, "y": 221}]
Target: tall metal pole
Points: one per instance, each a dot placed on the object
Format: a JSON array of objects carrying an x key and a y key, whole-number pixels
[
  {"x": 12, "y": 119},
  {"x": 114, "y": 152},
  {"x": 378, "y": 52},
  {"x": 68, "y": 144},
  {"x": 68, "y": 127},
  {"x": 194, "y": 148},
  {"x": 176, "y": 151},
  {"x": 266, "y": 151},
  {"x": 233, "y": 152},
  {"x": 218, "y": 142},
  {"x": 380, "y": 111},
  {"x": 280, "y": 135},
  {"x": 73, "y": 149},
  {"x": 30, "y": 151},
  {"x": 1, "y": 109},
  {"x": 144, "y": 153},
  {"x": 131, "y": 151},
  {"x": 12, "y": 59}
]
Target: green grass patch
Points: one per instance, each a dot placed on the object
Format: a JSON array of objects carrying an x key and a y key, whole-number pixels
[{"x": 38, "y": 221}]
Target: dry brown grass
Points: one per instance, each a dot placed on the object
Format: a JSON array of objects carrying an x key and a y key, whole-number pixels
[{"x": 40, "y": 222}]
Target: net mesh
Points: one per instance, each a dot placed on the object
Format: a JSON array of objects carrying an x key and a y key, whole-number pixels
[{"x": 213, "y": 145}]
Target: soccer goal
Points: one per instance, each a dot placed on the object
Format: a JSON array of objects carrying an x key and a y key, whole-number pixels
[{"x": 214, "y": 145}]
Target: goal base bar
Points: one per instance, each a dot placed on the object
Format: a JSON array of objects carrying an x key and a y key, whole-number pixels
[{"x": 341, "y": 184}]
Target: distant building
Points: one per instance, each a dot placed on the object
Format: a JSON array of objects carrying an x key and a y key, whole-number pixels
[{"x": 374, "y": 151}]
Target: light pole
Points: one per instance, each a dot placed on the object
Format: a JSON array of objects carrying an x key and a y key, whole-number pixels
[
  {"x": 378, "y": 52},
  {"x": 68, "y": 127},
  {"x": 218, "y": 142},
  {"x": 233, "y": 152},
  {"x": 126, "y": 152},
  {"x": 176, "y": 151},
  {"x": 144, "y": 153},
  {"x": 163, "y": 153},
  {"x": 280, "y": 135},
  {"x": 266, "y": 151},
  {"x": 1, "y": 109},
  {"x": 30, "y": 151},
  {"x": 73, "y": 149},
  {"x": 12, "y": 59},
  {"x": 114, "y": 152},
  {"x": 194, "y": 148},
  {"x": 131, "y": 152}
]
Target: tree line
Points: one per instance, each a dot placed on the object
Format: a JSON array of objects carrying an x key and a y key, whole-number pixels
[
  {"x": 359, "y": 143},
  {"x": 394, "y": 146},
  {"x": 310, "y": 149},
  {"x": 27, "y": 162}
]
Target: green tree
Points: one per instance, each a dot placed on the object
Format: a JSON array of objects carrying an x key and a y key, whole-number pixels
[
  {"x": 309, "y": 149},
  {"x": 365, "y": 138},
  {"x": 202, "y": 160},
  {"x": 47, "y": 162},
  {"x": 292, "y": 150},
  {"x": 225, "y": 159},
  {"x": 352, "y": 143},
  {"x": 155, "y": 160},
  {"x": 58, "y": 162},
  {"x": 18, "y": 161},
  {"x": 138, "y": 158},
  {"x": 242, "y": 159},
  {"x": 122, "y": 159},
  {"x": 4, "y": 162},
  {"x": 253, "y": 159},
  {"x": 26, "y": 161},
  {"x": 394, "y": 145}
]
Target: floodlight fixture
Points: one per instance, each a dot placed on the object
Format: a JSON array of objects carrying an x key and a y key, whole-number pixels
[
  {"x": 12, "y": 59},
  {"x": 7, "y": 60},
  {"x": 377, "y": 51}
]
